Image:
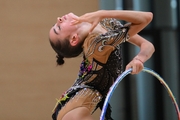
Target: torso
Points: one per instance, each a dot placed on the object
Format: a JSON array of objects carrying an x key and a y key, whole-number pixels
[{"x": 102, "y": 62}]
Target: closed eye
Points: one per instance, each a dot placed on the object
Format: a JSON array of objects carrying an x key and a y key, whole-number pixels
[
  {"x": 55, "y": 31},
  {"x": 59, "y": 28}
]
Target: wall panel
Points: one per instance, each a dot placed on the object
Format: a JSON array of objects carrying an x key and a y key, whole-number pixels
[{"x": 30, "y": 81}]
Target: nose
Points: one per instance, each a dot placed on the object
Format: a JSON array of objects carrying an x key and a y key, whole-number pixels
[{"x": 59, "y": 20}]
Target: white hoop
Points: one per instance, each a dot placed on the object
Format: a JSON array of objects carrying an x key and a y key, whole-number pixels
[{"x": 124, "y": 74}]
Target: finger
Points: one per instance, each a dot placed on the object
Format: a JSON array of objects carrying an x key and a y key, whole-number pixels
[
  {"x": 74, "y": 22},
  {"x": 134, "y": 70},
  {"x": 128, "y": 67}
]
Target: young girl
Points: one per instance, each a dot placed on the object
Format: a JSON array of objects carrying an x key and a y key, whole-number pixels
[{"x": 97, "y": 36}]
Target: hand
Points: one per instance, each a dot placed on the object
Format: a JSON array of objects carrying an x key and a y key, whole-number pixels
[
  {"x": 94, "y": 18},
  {"x": 136, "y": 65}
]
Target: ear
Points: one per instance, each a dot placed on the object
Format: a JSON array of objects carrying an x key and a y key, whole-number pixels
[{"x": 74, "y": 40}]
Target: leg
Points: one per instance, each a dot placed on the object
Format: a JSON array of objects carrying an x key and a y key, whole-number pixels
[
  {"x": 80, "y": 106},
  {"x": 80, "y": 113}
]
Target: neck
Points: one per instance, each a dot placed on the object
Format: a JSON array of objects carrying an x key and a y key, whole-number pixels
[
  {"x": 83, "y": 30},
  {"x": 99, "y": 29},
  {"x": 85, "y": 27}
]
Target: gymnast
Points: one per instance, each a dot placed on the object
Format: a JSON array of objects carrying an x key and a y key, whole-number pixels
[{"x": 97, "y": 37}]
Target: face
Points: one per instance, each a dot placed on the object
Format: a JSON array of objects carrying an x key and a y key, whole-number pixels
[{"x": 62, "y": 28}]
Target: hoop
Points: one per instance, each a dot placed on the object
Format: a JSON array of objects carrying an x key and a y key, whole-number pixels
[{"x": 124, "y": 74}]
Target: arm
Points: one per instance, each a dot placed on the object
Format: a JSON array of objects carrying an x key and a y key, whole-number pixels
[
  {"x": 146, "y": 51},
  {"x": 138, "y": 19}
]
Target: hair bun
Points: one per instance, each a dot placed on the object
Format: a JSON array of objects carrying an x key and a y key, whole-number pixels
[{"x": 60, "y": 60}]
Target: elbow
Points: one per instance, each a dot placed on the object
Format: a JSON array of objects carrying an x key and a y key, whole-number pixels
[
  {"x": 136, "y": 27},
  {"x": 149, "y": 47},
  {"x": 148, "y": 17},
  {"x": 152, "y": 48}
]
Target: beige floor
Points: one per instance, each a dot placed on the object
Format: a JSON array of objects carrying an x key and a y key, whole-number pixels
[{"x": 29, "y": 79}]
